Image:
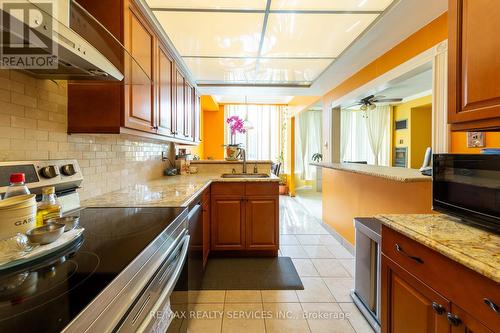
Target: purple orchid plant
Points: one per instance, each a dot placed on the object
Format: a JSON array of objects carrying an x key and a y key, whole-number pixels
[{"x": 236, "y": 125}]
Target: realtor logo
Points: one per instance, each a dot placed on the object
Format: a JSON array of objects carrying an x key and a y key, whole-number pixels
[{"x": 26, "y": 35}]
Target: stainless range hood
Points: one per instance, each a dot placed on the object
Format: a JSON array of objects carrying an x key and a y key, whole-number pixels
[{"x": 74, "y": 58}]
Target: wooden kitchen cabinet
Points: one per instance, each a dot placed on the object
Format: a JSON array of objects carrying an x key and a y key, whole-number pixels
[
  {"x": 260, "y": 223},
  {"x": 414, "y": 276},
  {"x": 197, "y": 118},
  {"x": 206, "y": 226},
  {"x": 151, "y": 100},
  {"x": 474, "y": 65},
  {"x": 189, "y": 112},
  {"x": 410, "y": 306},
  {"x": 165, "y": 108},
  {"x": 245, "y": 217},
  {"x": 228, "y": 223},
  {"x": 139, "y": 93},
  {"x": 463, "y": 322}
]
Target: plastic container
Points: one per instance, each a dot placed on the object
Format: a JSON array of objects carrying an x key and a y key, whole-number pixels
[
  {"x": 49, "y": 207},
  {"x": 17, "y": 186},
  {"x": 17, "y": 214}
]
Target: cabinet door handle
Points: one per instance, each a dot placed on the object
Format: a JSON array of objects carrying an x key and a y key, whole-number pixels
[
  {"x": 438, "y": 308},
  {"x": 491, "y": 305},
  {"x": 400, "y": 250},
  {"x": 453, "y": 319}
]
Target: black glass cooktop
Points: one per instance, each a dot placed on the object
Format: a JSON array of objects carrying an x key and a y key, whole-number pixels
[{"x": 45, "y": 295}]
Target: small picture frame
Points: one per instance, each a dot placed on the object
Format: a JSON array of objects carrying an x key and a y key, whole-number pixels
[{"x": 475, "y": 139}]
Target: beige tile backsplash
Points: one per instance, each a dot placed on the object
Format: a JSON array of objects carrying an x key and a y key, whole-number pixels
[{"x": 33, "y": 121}]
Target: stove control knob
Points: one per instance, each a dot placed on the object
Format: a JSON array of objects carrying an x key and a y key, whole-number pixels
[
  {"x": 68, "y": 170},
  {"x": 49, "y": 172}
]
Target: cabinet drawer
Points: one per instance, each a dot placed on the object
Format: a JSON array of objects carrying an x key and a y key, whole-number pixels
[
  {"x": 459, "y": 284},
  {"x": 227, "y": 188},
  {"x": 267, "y": 188}
]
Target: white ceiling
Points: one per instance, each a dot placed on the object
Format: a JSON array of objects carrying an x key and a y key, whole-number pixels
[
  {"x": 415, "y": 83},
  {"x": 263, "y": 42}
]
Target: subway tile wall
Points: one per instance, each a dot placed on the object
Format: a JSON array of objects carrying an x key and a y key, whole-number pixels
[{"x": 33, "y": 122}]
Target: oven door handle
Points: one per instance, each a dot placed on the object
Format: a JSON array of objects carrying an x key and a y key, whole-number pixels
[{"x": 167, "y": 291}]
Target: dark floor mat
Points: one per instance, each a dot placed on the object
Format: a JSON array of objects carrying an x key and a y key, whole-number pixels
[{"x": 251, "y": 274}]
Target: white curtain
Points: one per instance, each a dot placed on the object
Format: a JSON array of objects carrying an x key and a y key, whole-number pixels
[
  {"x": 308, "y": 142},
  {"x": 263, "y": 141},
  {"x": 355, "y": 139},
  {"x": 376, "y": 125},
  {"x": 345, "y": 129}
]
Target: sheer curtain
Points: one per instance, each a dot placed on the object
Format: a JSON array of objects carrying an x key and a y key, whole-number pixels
[
  {"x": 355, "y": 138},
  {"x": 308, "y": 142},
  {"x": 376, "y": 125},
  {"x": 264, "y": 140}
]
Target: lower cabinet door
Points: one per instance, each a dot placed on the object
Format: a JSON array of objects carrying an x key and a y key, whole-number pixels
[
  {"x": 410, "y": 306},
  {"x": 228, "y": 223},
  {"x": 261, "y": 226},
  {"x": 206, "y": 231},
  {"x": 462, "y": 322}
]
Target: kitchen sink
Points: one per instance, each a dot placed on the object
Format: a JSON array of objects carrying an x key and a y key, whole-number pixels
[{"x": 245, "y": 175}]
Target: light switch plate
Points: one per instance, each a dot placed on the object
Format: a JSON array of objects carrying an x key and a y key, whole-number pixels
[{"x": 475, "y": 139}]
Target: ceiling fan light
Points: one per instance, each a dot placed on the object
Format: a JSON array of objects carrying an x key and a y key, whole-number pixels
[
  {"x": 373, "y": 106},
  {"x": 363, "y": 107}
]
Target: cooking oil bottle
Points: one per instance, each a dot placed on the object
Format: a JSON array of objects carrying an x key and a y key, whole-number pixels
[{"x": 49, "y": 207}]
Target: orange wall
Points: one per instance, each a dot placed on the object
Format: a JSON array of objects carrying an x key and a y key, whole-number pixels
[
  {"x": 420, "y": 41},
  {"x": 459, "y": 142},
  {"x": 213, "y": 134},
  {"x": 347, "y": 195}
]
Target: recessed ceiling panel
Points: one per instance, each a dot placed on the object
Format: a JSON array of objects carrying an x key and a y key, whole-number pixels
[
  {"x": 344, "y": 5},
  {"x": 213, "y": 34},
  {"x": 290, "y": 70},
  {"x": 312, "y": 35},
  {"x": 230, "y": 99},
  {"x": 209, "y": 4},
  {"x": 222, "y": 70}
]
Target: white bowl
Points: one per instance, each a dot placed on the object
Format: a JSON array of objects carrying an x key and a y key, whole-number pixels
[{"x": 17, "y": 214}]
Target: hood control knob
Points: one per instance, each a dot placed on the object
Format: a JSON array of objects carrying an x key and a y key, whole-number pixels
[
  {"x": 68, "y": 170},
  {"x": 49, "y": 172}
]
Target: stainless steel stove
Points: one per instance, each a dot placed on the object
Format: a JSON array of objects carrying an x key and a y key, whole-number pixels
[{"x": 117, "y": 277}]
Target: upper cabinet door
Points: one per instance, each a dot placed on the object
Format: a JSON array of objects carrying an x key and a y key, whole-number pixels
[
  {"x": 197, "y": 118},
  {"x": 139, "y": 72},
  {"x": 189, "y": 116},
  {"x": 165, "y": 115},
  {"x": 180, "y": 110},
  {"x": 474, "y": 64}
]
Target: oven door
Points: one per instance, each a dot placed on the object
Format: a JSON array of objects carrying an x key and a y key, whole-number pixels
[{"x": 152, "y": 311}]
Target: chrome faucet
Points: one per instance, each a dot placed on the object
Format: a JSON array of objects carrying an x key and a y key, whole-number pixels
[{"x": 243, "y": 155}]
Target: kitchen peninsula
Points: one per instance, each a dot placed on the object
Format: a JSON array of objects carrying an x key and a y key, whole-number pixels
[
  {"x": 235, "y": 215},
  {"x": 355, "y": 190}
]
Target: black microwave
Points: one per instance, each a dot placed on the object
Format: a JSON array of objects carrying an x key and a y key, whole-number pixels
[{"x": 468, "y": 186}]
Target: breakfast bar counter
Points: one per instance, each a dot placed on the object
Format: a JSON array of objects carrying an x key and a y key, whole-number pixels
[{"x": 358, "y": 190}]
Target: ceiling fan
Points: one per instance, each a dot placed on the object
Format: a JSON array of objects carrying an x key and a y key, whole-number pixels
[{"x": 369, "y": 102}]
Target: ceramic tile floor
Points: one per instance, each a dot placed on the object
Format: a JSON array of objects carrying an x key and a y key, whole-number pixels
[{"x": 326, "y": 270}]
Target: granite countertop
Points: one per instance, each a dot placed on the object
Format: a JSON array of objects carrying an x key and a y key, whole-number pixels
[
  {"x": 249, "y": 162},
  {"x": 174, "y": 191},
  {"x": 474, "y": 248},
  {"x": 404, "y": 175}
]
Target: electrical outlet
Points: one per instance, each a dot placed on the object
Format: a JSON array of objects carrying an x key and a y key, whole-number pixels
[{"x": 475, "y": 139}]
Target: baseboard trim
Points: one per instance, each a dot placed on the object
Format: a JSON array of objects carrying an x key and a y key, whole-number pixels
[{"x": 344, "y": 242}]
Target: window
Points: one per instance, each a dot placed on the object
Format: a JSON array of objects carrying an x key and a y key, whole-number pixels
[
  {"x": 264, "y": 140},
  {"x": 355, "y": 142}
]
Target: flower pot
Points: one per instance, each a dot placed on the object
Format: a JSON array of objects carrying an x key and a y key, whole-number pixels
[
  {"x": 283, "y": 189},
  {"x": 232, "y": 152}
]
